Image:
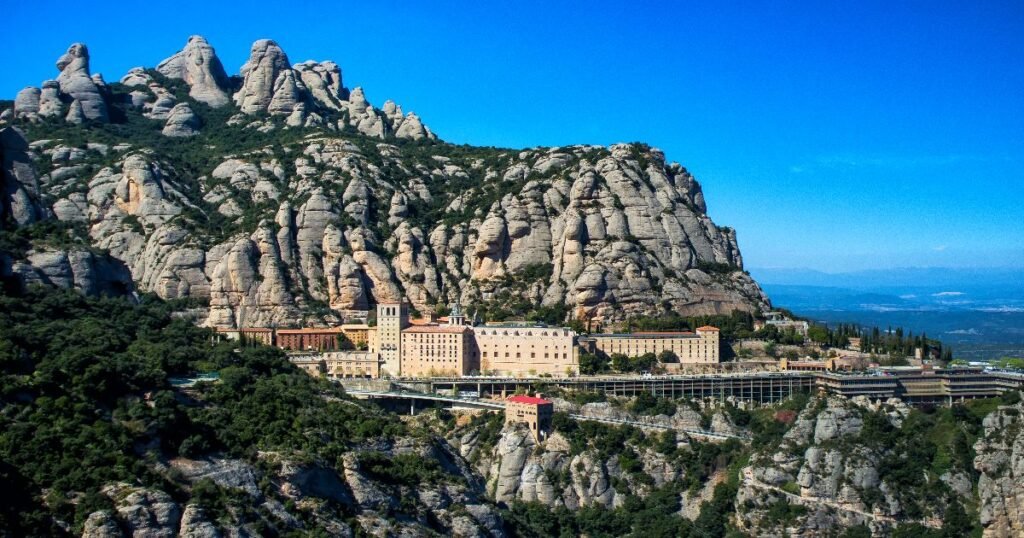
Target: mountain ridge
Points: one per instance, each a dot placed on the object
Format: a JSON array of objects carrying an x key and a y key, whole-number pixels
[{"x": 279, "y": 195}]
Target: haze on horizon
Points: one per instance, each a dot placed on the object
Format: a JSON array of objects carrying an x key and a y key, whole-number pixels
[{"x": 836, "y": 138}]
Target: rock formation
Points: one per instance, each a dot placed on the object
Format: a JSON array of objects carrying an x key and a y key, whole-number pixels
[
  {"x": 75, "y": 81},
  {"x": 1000, "y": 460},
  {"x": 268, "y": 230},
  {"x": 181, "y": 121},
  {"x": 260, "y": 73},
  {"x": 197, "y": 64}
]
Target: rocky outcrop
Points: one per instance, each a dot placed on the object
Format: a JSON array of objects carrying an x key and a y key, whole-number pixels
[
  {"x": 181, "y": 121},
  {"x": 197, "y": 64},
  {"x": 289, "y": 495},
  {"x": 26, "y": 103},
  {"x": 324, "y": 83},
  {"x": 517, "y": 468},
  {"x": 90, "y": 273},
  {"x": 260, "y": 73},
  {"x": 75, "y": 82},
  {"x": 20, "y": 193},
  {"x": 276, "y": 228},
  {"x": 1000, "y": 460},
  {"x": 841, "y": 464}
]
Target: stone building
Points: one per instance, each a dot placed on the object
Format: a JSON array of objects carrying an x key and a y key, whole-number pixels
[
  {"x": 251, "y": 335},
  {"x": 392, "y": 318},
  {"x": 700, "y": 347},
  {"x": 534, "y": 412},
  {"x": 310, "y": 339},
  {"x": 352, "y": 364},
  {"x": 526, "y": 349},
  {"x": 433, "y": 349},
  {"x": 358, "y": 334},
  {"x": 313, "y": 365}
]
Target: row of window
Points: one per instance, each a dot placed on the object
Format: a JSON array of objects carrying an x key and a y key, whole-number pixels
[
  {"x": 497, "y": 355},
  {"x": 515, "y": 332}
]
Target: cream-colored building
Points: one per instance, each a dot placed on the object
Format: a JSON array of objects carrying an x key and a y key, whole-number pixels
[
  {"x": 313, "y": 365},
  {"x": 700, "y": 347},
  {"x": 339, "y": 364},
  {"x": 438, "y": 350},
  {"x": 352, "y": 364},
  {"x": 519, "y": 349},
  {"x": 392, "y": 318},
  {"x": 357, "y": 333}
]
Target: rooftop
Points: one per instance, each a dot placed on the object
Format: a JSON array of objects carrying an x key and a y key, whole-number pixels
[
  {"x": 678, "y": 334},
  {"x": 450, "y": 329},
  {"x": 707, "y": 328},
  {"x": 310, "y": 330},
  {"x": 528, "y": 400},
  {"x": 517, "y": 324}
]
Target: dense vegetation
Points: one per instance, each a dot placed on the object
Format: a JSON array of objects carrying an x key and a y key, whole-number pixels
[{"x": 87, "y": 401}]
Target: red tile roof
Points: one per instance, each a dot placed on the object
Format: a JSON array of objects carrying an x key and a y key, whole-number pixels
[
  {"x": 528, "y": 400},
  {"x": 707, "y": 328}
]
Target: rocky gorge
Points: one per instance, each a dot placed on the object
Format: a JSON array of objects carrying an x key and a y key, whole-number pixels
[{"x": 279, "y": 196}]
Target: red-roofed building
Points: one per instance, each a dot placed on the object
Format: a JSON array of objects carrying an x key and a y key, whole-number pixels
[{"x": 532, "y": 411}]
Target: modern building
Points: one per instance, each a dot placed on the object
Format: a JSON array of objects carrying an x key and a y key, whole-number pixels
[
  {"x": 432, "y": 350},
  {"x": 526, "y": 349},
  {"x": 392, "y": 319},
  {"x": 700, "y": 347},
  {"x": 534, "y": 412}
]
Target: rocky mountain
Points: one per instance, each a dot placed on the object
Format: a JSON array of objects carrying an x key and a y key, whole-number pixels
[
  {"x": 278, "y": 195},
  {"x": 100, "y": 437}
]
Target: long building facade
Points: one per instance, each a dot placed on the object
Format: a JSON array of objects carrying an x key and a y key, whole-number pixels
[
  {"x": 516, "y": 348},
  {"x": 401, "y": 347},
  {"x": 699, "y": 347}
]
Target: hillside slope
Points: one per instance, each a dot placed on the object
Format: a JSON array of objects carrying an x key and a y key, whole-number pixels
[{"x": 280, "y": 194}]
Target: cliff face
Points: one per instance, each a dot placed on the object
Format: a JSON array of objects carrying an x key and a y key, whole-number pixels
[
  {"x": 298, "y": 198},
  {"x": 292, "y": 495},
  {"x": 1000, "y": 460}
]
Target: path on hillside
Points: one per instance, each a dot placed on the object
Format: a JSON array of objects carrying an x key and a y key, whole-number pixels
[{"x": 748, "y": 479}]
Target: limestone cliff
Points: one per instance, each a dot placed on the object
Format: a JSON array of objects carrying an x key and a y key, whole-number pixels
[
  {"x": 1000, "y": 460},
  {"x": 305, "y": 200}
]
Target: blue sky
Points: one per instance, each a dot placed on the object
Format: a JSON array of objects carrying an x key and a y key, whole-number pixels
[{"x": 832, "y": 135}]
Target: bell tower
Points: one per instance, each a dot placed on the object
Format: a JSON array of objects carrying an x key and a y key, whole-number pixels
[{"x": 391, "y": 319}]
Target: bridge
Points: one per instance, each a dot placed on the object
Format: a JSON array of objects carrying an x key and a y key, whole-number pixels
[
  {"x": 493, "y": 405},
  {"x": 419, "y": 396},
  {"x": 765, "y": 387}
]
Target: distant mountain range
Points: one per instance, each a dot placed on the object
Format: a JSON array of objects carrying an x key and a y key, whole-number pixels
[{"x": 979, "y": 311}]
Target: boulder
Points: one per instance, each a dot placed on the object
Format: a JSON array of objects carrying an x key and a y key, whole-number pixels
[
  {"x": 49, "y": 99},
  {"x": 26, "y": 103},
  {"x": 181, "y": 121}
]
